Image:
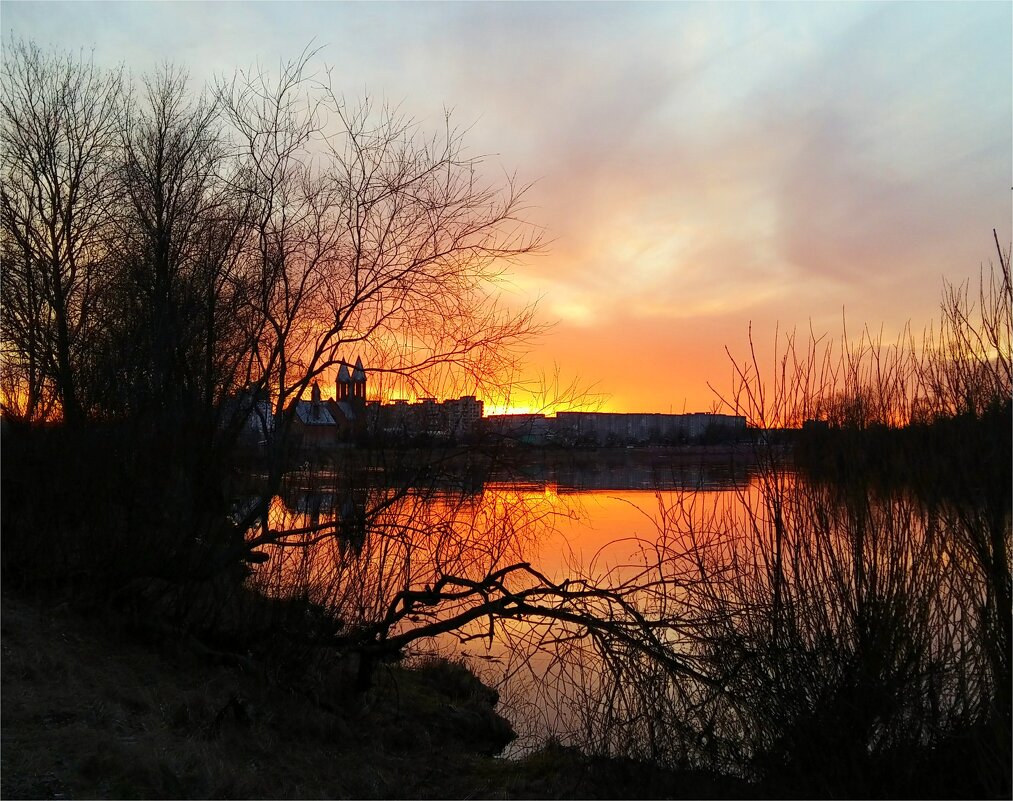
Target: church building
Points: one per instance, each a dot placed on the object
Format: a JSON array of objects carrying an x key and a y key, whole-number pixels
[
  {"x": 349, "y": 405},
  {"x": 351, "y": 388}
]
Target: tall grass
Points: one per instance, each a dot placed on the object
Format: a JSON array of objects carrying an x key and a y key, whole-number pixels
[{"x": 847, "y": 617}]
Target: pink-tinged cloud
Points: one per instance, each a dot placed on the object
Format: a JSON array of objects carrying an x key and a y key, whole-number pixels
[{"x": 697, "y": 166}]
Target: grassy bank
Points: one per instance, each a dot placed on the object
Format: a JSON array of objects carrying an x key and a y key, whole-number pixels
[{"x": 93, "y": 710}]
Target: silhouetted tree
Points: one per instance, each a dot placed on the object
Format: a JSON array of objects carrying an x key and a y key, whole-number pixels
[
  {"x": 366, "y": 235},
  {"x": 180, "y": 238},
  {"x": 59, "y": 129},
  {"x": 171, "y": 251}
]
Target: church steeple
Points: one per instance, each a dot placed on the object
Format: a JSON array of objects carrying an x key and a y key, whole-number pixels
[
  {"x": 359, "y": 381},
  {"x": 344, "y": 383},
  {"x": 351, "y": 386},
  {"x": 315, "y": 401}
]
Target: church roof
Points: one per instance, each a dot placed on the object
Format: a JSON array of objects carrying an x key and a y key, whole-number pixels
[
  {"x": 313, "y": 414},
  {"x": 358, "y": 374},
  {"x": 347, "y": 410},
  {"x": 343, "y": 376}
]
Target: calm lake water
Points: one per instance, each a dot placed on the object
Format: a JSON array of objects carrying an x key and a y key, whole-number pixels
[
  {"x": 597, "y": 518},
  {"x": 737, "y": 564}
]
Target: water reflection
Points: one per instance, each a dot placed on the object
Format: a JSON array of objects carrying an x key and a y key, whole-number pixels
[
  {"x": 636, "y": 471},
  {"x": 362, "y": 537},
  {"x": 780, "y": 604},
  {"x": 571, "y": 519}
]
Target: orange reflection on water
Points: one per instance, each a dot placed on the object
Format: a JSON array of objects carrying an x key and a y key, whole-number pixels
[
  {"x": 411, "y": 540},
  {"x": 354, "y": 551}
]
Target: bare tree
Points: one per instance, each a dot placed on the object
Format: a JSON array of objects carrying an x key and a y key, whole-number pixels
[
  {"x": 183, "y": 229},
  {"x": 167, "y": 251},
  {"x": 59, "y": 137},
  {"x": 967, "y": 365},
  {"x": 368, "y": 236}
]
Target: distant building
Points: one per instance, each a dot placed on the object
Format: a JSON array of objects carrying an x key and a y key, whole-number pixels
[
  {"x": 462, "y": 417},
  {"x": 459, "y": 418},
  {"x": 313, "y": 425},
  {"x": 250, "y": 410},
  {"x": 429, "y": 420},
  {"x": 349, "y": 405},
  {"x": 639, "y": 428},
  {"x": 321, "y": 424},
  {"x": 527, "y": 429},
  {"x": 351, "y": 387}
]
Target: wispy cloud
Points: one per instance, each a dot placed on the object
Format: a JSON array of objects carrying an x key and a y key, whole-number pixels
[{"x": 698, "y": 165}]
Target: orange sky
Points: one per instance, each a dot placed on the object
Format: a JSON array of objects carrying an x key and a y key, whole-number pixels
[{"x": 697, "y": 167}]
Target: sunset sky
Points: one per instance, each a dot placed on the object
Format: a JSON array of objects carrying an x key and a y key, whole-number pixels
[{"x": 697, "y": 167}]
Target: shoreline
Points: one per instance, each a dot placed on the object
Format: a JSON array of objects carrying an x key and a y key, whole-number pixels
[{"x": 96, "y": 707}]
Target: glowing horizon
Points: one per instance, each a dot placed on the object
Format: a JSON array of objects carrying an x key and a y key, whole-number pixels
[{"x": 698, "y": 168}]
